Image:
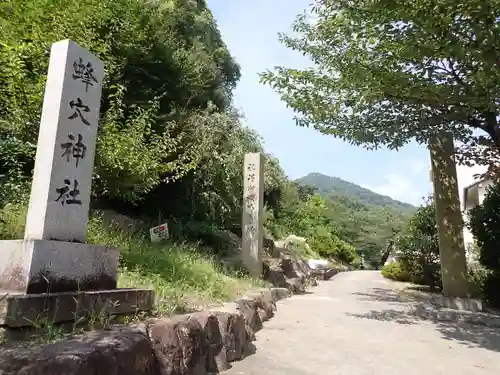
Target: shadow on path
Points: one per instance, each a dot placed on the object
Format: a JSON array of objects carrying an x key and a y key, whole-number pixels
[{"x": 470, "y": 335}]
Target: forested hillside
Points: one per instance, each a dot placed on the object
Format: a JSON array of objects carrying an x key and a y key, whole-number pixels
[
  {"x": 328, "y": 185},
  {"x": 170, "y": 144}
]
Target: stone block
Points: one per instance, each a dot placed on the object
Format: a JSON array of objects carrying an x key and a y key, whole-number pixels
[
  {"x": 39, "y": 266},
  {"x": 22, "y": 310},
  {"x": 179, "y": 344},
  {"x": 122, "y": 350},
  {"x": 234, "y": 336},
  {"x": 280, "y": 293},
  {"x": 458, "y": 303}
]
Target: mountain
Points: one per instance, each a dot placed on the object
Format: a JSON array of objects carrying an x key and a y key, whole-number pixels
[{"x": 328, "y": 185}]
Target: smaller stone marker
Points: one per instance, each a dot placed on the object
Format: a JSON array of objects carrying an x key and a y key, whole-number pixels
[{"x": 253, "y": 213}]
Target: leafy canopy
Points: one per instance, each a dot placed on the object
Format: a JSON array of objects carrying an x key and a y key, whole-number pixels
[{"x": 387, "y": 72}]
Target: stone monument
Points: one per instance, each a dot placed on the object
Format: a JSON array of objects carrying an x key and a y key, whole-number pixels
[
  {"x": 448, "y": 217},
  {"x": 53, "y": 257},
  {"x": 253, "y": 213}
]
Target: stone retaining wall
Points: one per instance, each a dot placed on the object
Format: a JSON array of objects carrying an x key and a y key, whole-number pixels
[{"x": 196, "y": 344}]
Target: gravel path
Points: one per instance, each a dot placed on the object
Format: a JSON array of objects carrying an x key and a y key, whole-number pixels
[{"x": 356, "y": 324}]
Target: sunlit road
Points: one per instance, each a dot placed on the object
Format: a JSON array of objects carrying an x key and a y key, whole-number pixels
[{"x": 356, "y": 324}]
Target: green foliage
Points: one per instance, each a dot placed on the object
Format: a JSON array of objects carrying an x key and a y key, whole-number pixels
[
  {"x": 159, "y": 73},
  {"x": 327, "y": 244},
  {"x": 327, "y": 185},
  {"x": 301, "y": 248},
  {"x": 12, "y": 219},
  {"x": 180, "y": 273},
  {"x": 484, "y": 222},
  {"x": 396, "y": 271},
  {"x": 334, "y": 226},
  {"x": 418, "y": 247},
  {"x": 387, "y": 73},
  {"x": 362, "y": 218}
]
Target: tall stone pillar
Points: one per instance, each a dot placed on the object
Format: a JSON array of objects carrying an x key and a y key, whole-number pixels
[
  {"x": 448, "y": 217},
  {"x": 253, "y": 213}
]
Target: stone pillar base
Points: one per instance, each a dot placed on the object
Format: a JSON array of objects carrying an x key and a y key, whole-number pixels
[
  {"x": 39, "y": 266},
  {"x": 26, "y": 310}
]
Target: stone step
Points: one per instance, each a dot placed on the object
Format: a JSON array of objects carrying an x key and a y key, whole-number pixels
[{"x": 25, "y": 310}]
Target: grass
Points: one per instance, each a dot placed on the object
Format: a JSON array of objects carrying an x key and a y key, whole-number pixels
[{"x": 183, "y": 275}]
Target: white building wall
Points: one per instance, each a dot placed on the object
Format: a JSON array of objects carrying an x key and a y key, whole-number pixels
[{"x": 465, "y": 176}]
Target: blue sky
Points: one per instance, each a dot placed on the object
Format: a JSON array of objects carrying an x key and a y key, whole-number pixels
[{"x": 250, "y": 28}]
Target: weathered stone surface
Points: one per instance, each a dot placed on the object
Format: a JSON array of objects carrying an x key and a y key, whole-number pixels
[
  {"x": 123, "y": 351},
  {"x": 20, "y": 310},
  {"x": 324, "y": 274},
  {"x": 253, "y": 213},
  {"x": 273, "y": 273},
  {"x": 210, "y": 324},
  {"x": 250, "y": 310},
  {"x": 234, "y": 336},
  {"x": 280, "y": 293},
  {"x": 179, "y": 344},
  {"x": 296, "y": 286},
  {"x": 60, "y": 192},
  {"x": 117, "y": 221},
  {"x": 39, "y": 266}
]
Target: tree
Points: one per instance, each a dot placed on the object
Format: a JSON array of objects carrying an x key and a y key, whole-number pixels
[{"x": 387, "y": 72}]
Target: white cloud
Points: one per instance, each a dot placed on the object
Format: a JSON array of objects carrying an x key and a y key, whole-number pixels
[
  {"x": 398, "y": 187},
  {"x": 401, "y": 186}
]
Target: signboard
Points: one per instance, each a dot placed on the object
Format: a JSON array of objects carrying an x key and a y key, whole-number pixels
[{"x": 159, "y": 233}]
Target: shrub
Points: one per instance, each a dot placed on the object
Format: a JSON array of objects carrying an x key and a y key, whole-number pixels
[
  {"x": 328, "y": 245},
  {"x": 396, "y": 271},
  {"x": 484, "y": 222},
  {"x": 419, "y": 248}
]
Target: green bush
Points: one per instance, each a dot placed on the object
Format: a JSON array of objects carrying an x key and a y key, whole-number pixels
[
  {"x": 484, "y": 222},
  {"x": 419, "y": 248},
  {"x": 396, "y": 271},
  {"x": 328, "y": 245}
]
